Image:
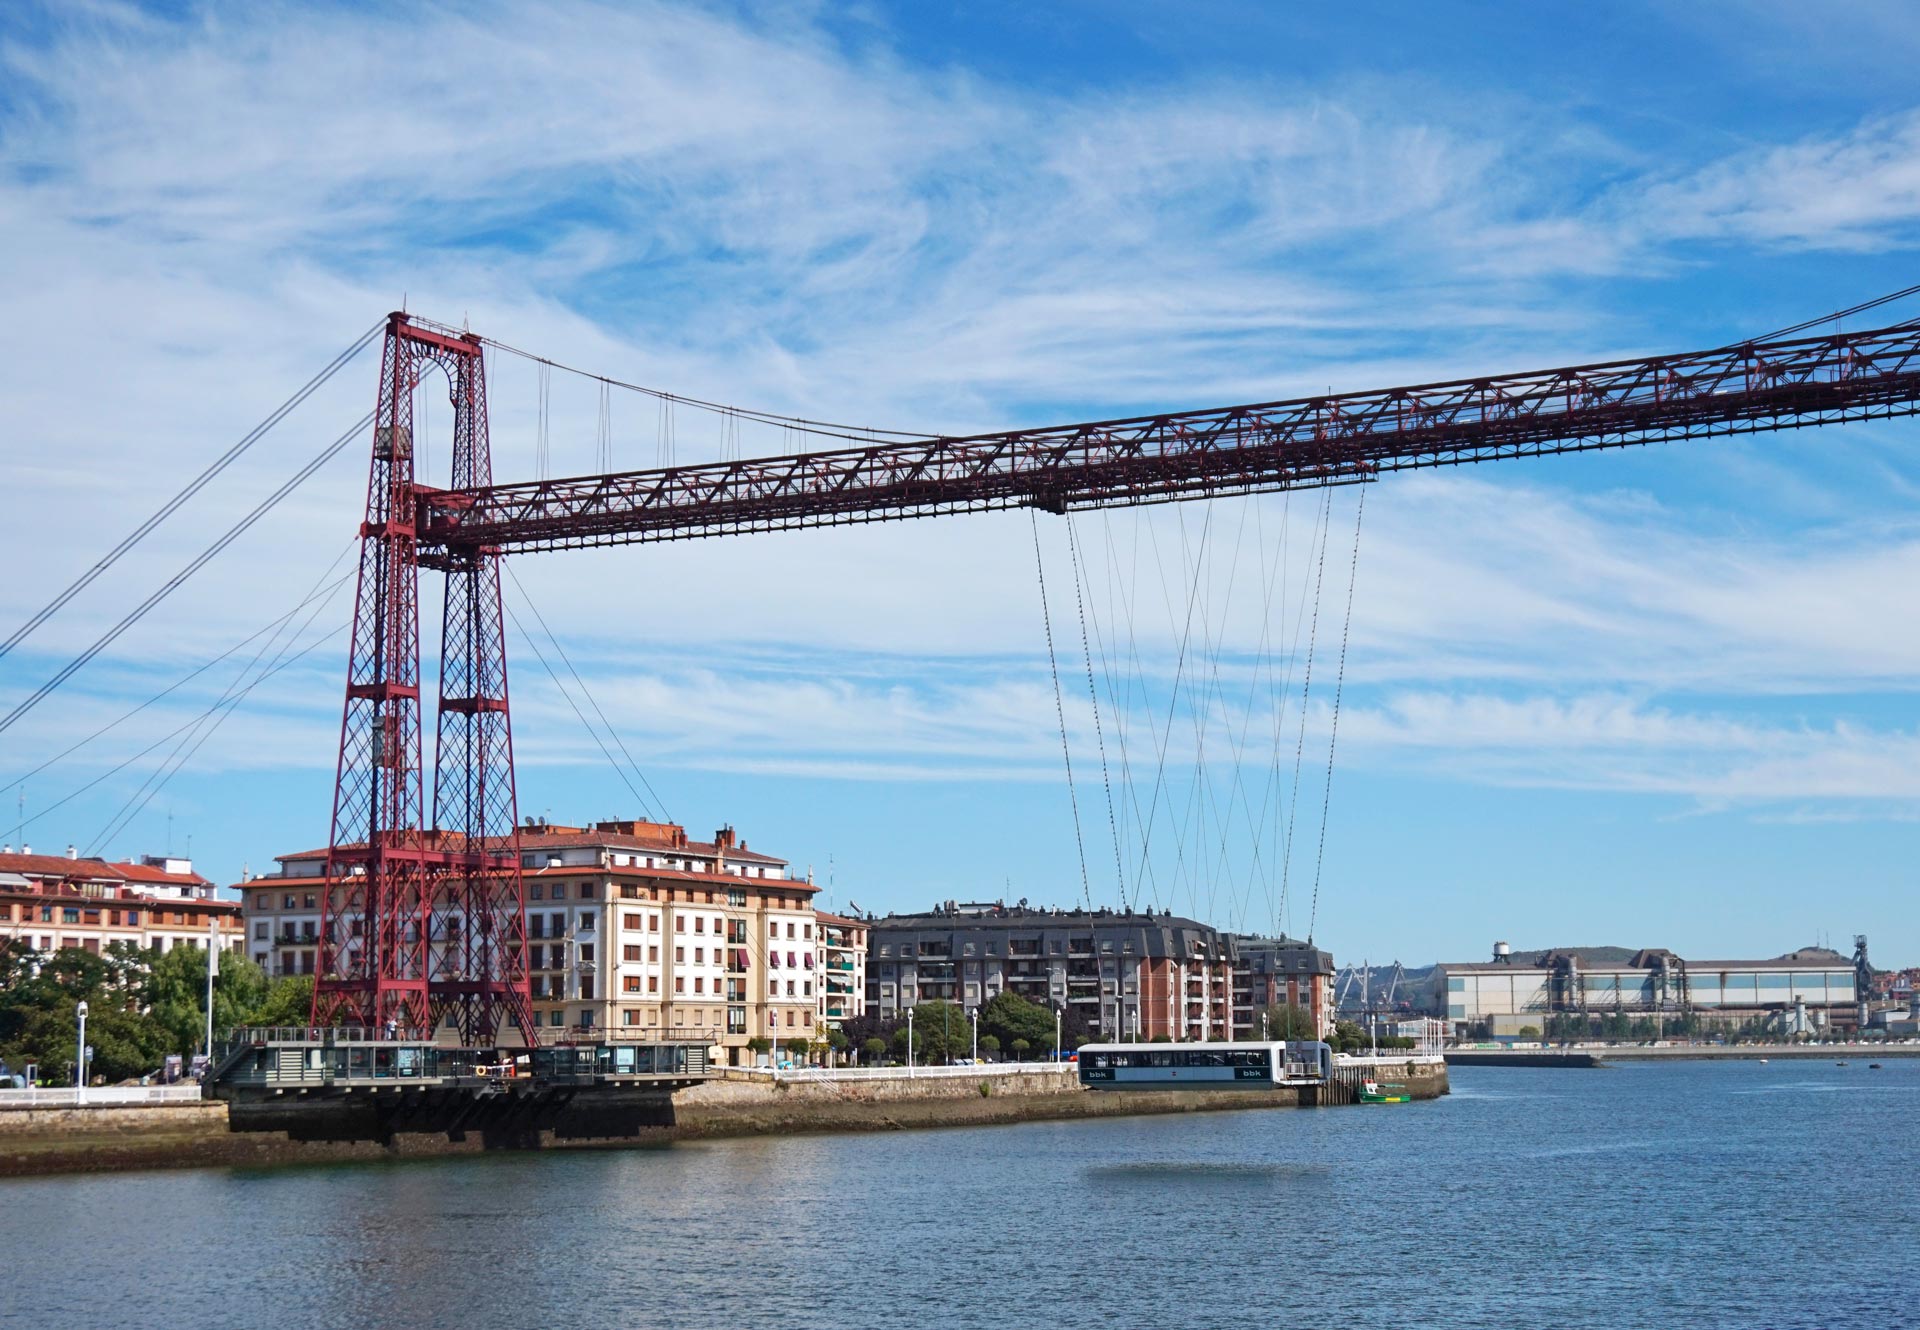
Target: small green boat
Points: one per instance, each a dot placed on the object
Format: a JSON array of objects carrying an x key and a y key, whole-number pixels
[{"x": 1372, "y": 1093}]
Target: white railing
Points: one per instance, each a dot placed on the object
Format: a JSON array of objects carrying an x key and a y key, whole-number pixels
[
  {"x": 902, "y": 1073},
  {"x": 105, "y": 1096}
]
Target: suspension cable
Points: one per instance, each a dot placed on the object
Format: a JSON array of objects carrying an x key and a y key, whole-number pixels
[
  {"x": 180, "y": 578},
  {"x": 1099, "y": 733},
  {"x": 1333, "y": 729},
  {"x": 1060, "y": 710},
  {"x": 592, "y": 701},
  {"x": 1306, "y": 692},
  {"x": 193, "y": 487}
]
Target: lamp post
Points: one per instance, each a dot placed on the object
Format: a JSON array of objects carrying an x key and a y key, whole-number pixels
[
  {"x": 975, "y": 1016},
  {"x": 213, "y": 968},
  {"x": 1056, "y": 1034},
  {"x": 909, "y": 1043},
  {"x": 80, "y": 1058}
]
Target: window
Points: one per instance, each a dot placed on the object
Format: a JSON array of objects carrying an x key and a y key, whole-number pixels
[
  {"x": 653, "y": 955},
  {"x": 285, "y": 904},
  {"x": 259, "y": 934},
  {"x": 556, "y": 1017},
  {"x": 789, "y": 930},
  {"x": 806, "y": 989},
  {"x": 679, "y": 955},
  {"x": 586, "y": 953},
  {"x": 699, "y": 923},
  {"x": 653, "y": 923},
  {"x": 791, "y": 965},
  {"x": 679, "y": 923},
  {"x": 309, "y": 901},
  {"x": 699, "y": 984},
  {"x": 71, "y": 915},
  {"x": 773, "y": 928},
  {"x": 773, "y": 960},
  {"x": 630, "y": 953},
  {"x": 699, "y": 955},
  {"x": 679, "y": 984},
  {"x": 653, "y": 983},
  {"x": 789, "y": 1018},
  {"x": 631, "y": 983},
  {"x": 263, "y": 902},
  {"x": 587, "y": 923},
  {"x": 806, "y": 932},
  {"x": 789, "y": 988},
  {"x": 630, "y": 1017},
  {"x": 630, "y": 922}
]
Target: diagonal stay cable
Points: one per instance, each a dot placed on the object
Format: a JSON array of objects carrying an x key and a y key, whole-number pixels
[
  {"x": 193, "y": 487},
  {"x": 215, "y": 716},
  {"x": 182, "y": 681},
  {"x": 179, "y": 579},
  {"x": 541, "y": 656},
  {"x": 658, "y": 802},
  {"x": 175, "y": 733}
]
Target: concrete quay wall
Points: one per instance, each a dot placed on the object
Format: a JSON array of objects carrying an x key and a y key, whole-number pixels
[{"x": 102, "y": 1139}]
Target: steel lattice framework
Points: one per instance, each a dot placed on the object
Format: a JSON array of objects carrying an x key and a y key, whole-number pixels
[
  {"x": 422, "y": 924},
  {"x": 1306, "y": 443}
]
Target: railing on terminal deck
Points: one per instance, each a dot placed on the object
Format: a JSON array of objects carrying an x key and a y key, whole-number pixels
[{"x": 301, "y": 1057}]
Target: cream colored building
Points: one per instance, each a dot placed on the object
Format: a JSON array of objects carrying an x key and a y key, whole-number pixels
[
  {"x": 51, "y": 902},
  {"x": 633, "y": 930}
]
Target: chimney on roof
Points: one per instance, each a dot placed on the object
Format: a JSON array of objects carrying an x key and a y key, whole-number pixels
[
  {"x": 723, "y": 838},
  {"x": 73, "y": 851}
]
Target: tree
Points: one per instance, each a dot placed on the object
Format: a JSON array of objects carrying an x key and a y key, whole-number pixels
[
  {"x": 837, "y": 1041},
  {"x": 1008, "y": 1017},
  {"x": 796, "y": 1048},
  {"x": 759, "y": 1044},
  {"x": 940, "y": 1031},
  {"x": 1529, "y": 1032},
  {"x": 287, "y": 1001},
  {"x": 176, "y": 994},
  {"x": 1290, "y": 1021},
  {"x": 1021, "y": 1048},
  {"x": 990, "y": 1045},
  {"x": 874, "y": 1049}
]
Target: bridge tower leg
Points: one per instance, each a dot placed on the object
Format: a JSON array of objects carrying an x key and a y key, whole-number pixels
[{"x": 419, "y": 923}]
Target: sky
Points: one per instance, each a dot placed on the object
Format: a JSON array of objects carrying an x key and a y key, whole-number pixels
[{"x": 1658, "y": 697}]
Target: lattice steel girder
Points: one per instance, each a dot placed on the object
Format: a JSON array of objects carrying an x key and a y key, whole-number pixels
[{"x": 1304, "y": 443}]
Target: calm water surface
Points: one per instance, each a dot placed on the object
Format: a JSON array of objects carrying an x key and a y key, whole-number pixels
[{"x": 1690, "y": 1194}]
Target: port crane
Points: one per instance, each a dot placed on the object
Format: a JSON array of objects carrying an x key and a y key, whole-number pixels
[{"x": 424, "y": 917}]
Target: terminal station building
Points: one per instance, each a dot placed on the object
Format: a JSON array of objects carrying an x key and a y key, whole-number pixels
[
  {"x": 635, "y": 930},
  {"x": 1811, "y": 987},
  {"x": 51, "y": 902},
  {"x": 1125, "y": 975}
]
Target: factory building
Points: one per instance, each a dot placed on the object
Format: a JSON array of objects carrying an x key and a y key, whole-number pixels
[
  {"x": 1121, "y": 975},
  {"x": 1515, "y": 990}
]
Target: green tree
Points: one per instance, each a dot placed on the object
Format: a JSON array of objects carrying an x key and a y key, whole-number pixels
[
  {"x": 1021, "y": 1047},
  {"x": 176, "y": 995},
  {"x": 1290, "y": 1021},
  {"x": 287, "y": 1001},
  {"x": 759, "y": 1044},
  {"x": 1529, "y": 1032},
  {"x": 873, "y": 1050},
  {"x": 940, "y": 1031},
  {"x": 796, "y": 1048},
  {"x": 837, "y": 1041},
  {"x": 1008, "y": 1016},
  {"x": 990, "y": 1045}
]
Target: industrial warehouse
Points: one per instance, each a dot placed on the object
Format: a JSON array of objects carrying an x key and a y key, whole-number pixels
[{"x": 1517, "y": 994}]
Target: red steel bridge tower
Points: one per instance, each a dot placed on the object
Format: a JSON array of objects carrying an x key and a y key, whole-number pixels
[
  {"x": 422, "y": 921},
  {"x": 425, "y": 921}
]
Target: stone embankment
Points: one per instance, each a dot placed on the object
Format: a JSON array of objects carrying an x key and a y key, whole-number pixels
[{"x": 94, "y": 1139}]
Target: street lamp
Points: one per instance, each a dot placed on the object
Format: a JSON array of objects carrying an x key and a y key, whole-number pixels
[
  {"x": 909, "y": 1043},
  {"x": 80, "y": 1058},
  {"x": 1056, "y": 1034},
  {"x": 975, "y": 1016}
]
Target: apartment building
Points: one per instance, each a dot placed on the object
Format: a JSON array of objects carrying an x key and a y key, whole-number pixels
[
  {"x": 54, "y": 901},
  {"x": 1125, "y": 975},
  {"x": 842, "y": 986},
  {"x": 1279, "y": 972},
  {"x": 634, "y": 929}
]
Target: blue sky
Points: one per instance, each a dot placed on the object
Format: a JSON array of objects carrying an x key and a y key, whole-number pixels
[{"x": 1658, "y": 698}]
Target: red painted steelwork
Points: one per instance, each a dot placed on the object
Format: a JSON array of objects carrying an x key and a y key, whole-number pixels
[
  {"x": 1306, "y": 443},
  {"x": 421, "y": 926}
]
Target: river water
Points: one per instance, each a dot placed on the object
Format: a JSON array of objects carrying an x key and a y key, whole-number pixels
[{"x": 1674, "y": 1194}]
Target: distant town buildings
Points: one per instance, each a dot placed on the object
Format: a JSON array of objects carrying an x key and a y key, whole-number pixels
[
  {"x": 1123, "y": 975},
  {"x": 1813, "y": 987},
  {"x": 52, "y": 901}
]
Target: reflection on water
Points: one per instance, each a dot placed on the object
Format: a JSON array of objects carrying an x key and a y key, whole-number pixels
[{"x": 1703, "y": 1194}]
